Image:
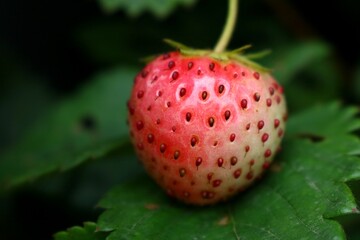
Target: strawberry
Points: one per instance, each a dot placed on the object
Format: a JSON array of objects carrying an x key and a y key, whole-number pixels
[{"x": 205, "y": 125}]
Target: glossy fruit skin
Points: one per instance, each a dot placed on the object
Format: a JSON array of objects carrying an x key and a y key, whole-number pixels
[{"x": 205, "y": 129}]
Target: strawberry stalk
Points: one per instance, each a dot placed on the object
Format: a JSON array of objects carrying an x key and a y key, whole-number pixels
[{"x": 229, "y": 27}]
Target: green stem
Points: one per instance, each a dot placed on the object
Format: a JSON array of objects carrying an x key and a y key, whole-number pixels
[{"x": 229, "y": 27}]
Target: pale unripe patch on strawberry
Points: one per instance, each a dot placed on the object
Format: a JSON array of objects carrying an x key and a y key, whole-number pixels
[{"x": 205, "y": 129}]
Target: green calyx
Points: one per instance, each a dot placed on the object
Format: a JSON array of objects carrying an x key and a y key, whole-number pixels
[{"x": 235, "y": 55}]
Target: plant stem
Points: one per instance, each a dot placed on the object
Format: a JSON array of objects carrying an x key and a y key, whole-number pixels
[{"x": 229, "y": 27}]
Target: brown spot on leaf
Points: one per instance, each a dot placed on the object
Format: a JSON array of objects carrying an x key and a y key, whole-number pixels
[
  {"x": 151, "y": 206},
  {"x": 224, "y": 221}
]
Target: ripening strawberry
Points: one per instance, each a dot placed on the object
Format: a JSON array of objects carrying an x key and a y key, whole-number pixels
[{"x": 205, "y": 126}]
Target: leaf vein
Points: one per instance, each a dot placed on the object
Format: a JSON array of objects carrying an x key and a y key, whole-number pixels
[{"x": 294, "y": 210}]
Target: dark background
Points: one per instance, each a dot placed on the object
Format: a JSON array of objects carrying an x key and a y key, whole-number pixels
[{"x": 48, "y": 50}]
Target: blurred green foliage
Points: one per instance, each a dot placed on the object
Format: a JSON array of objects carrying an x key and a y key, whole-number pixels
[
  {"x": 49, "y": 98},
  {"x": 160, "y": 8},
  {"x": 86, "y": 126},
  {"x": 81, "y": 233}
]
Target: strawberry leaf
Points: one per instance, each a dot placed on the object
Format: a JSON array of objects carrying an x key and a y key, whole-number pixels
[
  {"x": 305, "y": 189},
  {"x": 88, "y": 232},
  {"x": 307, "y": 69},
  {"x": 159, "y": 8},
  {"x": 81, "y": 128},
  {"x": 324, "y": 120},
  {"x": 292, "y": 60}
]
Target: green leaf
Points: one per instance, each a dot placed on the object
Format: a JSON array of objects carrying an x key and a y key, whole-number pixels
[
  {"x": 299, "y": 197},
  {"x": 307, "y": 69},
  {"x": 324, "y": 121},
  {"x": 159, "y": 8},
  {"x": 295, "y": 58},
  {"x": 86, "y": 126},
  {"x": 88, "y": 232}
]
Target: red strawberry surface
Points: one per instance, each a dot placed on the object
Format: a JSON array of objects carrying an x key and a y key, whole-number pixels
[{"x": 203, "y": 128}]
